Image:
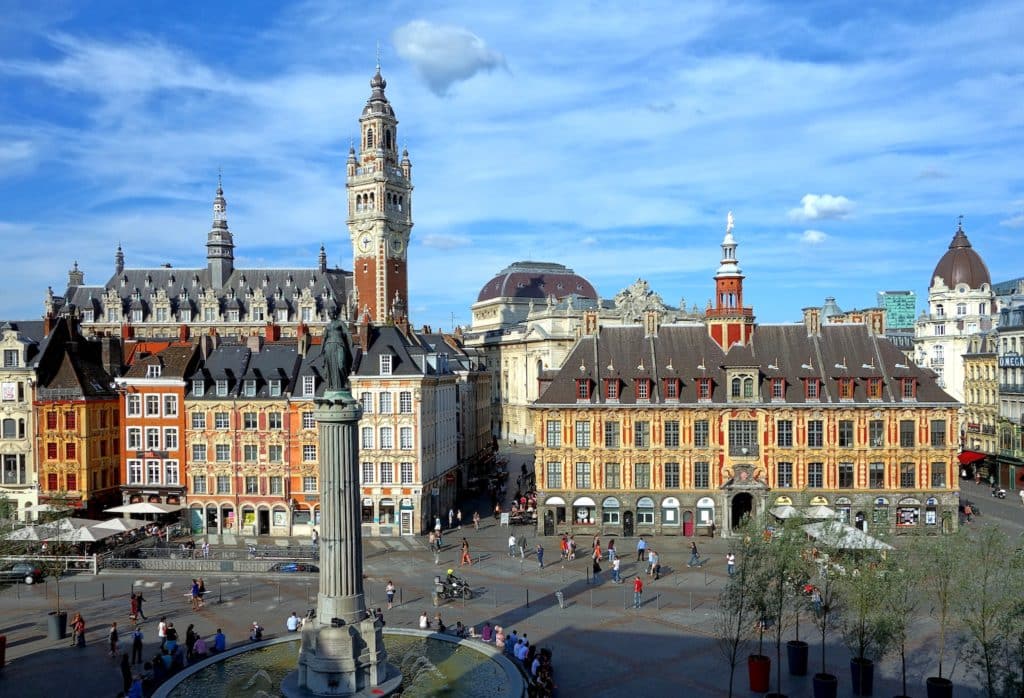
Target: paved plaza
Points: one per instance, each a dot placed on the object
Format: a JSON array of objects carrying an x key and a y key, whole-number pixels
[{"x": 601, "y": 645}]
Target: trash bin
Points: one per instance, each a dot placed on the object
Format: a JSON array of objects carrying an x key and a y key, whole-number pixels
[
  {"x": 57, "y": 625},
  {"x": 561, "y": 599}
]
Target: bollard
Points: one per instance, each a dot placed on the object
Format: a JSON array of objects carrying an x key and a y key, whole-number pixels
[
  {"x": 527, "y": 598},
  {"x": 279, "y": 592},
  {"x": 591, "y": 598},
  {"x": 220, "y": 593},
  {"x": 75, "y": 586},
  {"x": 561, "y": 598},
  {"x": 250, "y": 593},
  {"x": 657, "y": 602},
  {"x": 691, "y": 602},
  {"x": 400, "y": 596},
  {"x": 161, "y": 593},
  {"x": 103, "y": 590}
]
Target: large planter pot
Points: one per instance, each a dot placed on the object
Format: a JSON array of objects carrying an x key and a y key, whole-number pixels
[
  {"x": 57, "y": 625},
  {"x": 759, "y": 670},
  {"x": 796, "y": 653},
  {"x": 939, "y": 687},
  {"x": 862, "y": 672},
  {"x": 825, "y": 685}
]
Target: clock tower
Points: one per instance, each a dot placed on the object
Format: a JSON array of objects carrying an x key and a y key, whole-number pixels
[{"x": 379, "y": 211}]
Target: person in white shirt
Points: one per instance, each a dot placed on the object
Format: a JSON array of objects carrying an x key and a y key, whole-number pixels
[
  {"x": 424, "y": 621},
  {"x": 512, "y": 545},
  {"x": 293, "y": 622},
  {"x": 161, "y": 631}
]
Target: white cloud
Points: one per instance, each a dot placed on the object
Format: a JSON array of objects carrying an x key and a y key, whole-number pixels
[
  {"x": 932, "y": 172},
  {"x": 820, "y": 206},
  {"x": 444, "y": 54},
  {"x": 588, "y": 240},
  {"x": 444, "y": 242},
  {"x": 813, "y": 237},
  {"x": 1013, "y": 221}
]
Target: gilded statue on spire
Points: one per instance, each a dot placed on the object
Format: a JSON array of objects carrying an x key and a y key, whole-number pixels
[{"x": 729, "y": 222}]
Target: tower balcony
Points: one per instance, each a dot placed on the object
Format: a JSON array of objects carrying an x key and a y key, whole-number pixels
[{"x": 729, "y": 312}]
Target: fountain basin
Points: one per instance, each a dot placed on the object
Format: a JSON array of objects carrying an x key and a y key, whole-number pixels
[{"x": 432, "y": 664}]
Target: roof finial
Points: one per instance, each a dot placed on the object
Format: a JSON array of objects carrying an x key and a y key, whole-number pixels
[
  {"x": 729, "y": 222},
  {"x": 960, "y": 222},
  {"x": 378, "y": 56}
]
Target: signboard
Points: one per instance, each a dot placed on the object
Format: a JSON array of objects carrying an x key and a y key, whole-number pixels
[
  {"x": 504, "y": 518},
  {"x": 1008, "y": 361},
  {"x": 8, "y": 392}
]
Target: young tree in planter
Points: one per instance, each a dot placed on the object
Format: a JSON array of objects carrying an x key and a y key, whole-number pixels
[
  {"x": 867, "y": 626},
  {"x": 940, "y": 568},
  {"x": 902, "y": 599},
  {"x": 1011, "y": 626},
  {"x": 737, "y": 603},
  {"x": 826, "y": 619}
]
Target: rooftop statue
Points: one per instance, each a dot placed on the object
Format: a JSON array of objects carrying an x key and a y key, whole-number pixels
[{"x": 337, "y": 354}]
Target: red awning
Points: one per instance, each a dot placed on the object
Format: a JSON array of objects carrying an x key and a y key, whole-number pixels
[{"x": 968, "y": 457}]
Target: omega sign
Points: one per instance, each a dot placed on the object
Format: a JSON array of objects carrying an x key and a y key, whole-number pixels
[{"x": 1011, "y": 361}]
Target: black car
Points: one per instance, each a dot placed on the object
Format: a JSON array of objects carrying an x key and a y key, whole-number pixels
[
  {"x": 294, "y": 567},
  {"x": 27, "y": 572}
]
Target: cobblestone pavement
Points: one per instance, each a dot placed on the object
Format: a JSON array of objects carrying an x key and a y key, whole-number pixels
[{"x": 601, "y": 645}]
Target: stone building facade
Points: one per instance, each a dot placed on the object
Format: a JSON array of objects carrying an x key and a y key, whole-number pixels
[{"x": 19, "y": 481}]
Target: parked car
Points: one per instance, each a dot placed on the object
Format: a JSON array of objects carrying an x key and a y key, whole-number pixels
[
  {"x": 28, "y": 572},
  {"x": 294, "y": 567}
]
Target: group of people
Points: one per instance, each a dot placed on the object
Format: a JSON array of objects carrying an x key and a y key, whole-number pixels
[
  {"x": 197, "y": 592},
  {"x": 437, "y": 625},
  {"x": 536, "y": 662}
]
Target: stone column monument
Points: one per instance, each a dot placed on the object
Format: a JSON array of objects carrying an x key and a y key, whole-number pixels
[{"x": 342, "y": 651}]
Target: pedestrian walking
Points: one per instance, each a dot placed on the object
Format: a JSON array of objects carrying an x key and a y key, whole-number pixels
[
  {"x": 641, "y": 549},
  {"x": 650, "y": 561},
  {"x": 78, "y": 631},
  {"x": 1022, "y": 496},
  {"x": 202, "y": 593},
  {"x": 597, "y": 570},
  {"x": 730, "y": 563},
  {"x": 615, "y": 570},
  {"x": 611, "y": 550},
  {"x": 206, "y": 549},
  {"x": 458, "y": 518},
  {"x": 597, "y": 549},
  {"x": 694, "y": 555},
  {"x": 389, "y": 591},
  {"x": 112, "y": 638},
  {"x": 194, "y": 593},
  {"x": 133, "y": 608},
  {"x": 466, "y": 559},
  {"x": 137, "y": 646},
  {"x": 522, "y": 547},
  {"x": 711, "y": 529},
  {"x": 139, "y": 599},
  {"x": 512, "y": 545},
  {"x": 540, "y": 556},
  {"x": 638, "y": 590},
  {"x": 476, "y": 520},
  {"x": 161, "y": 631},
  {"x": 437, "y": 526},
  {"x": 655, "y": 564},
  {"x": 451, "y": 518},
  {"x": 563, "y": 547}
]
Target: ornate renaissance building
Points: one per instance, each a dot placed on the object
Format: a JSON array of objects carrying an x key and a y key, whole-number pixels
[
  {"x": 665, "y": 428},
  {"x": 19, "y": 482}
]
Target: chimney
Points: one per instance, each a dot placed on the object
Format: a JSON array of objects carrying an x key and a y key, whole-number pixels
[
  {"x": 254, "y": 343},
  {"x": 876, "y": 321},
  {"x": 363, "y": 335},
  {"x": 272, "y": 332},
  {"x": 590, "y": 324},
  {"x": 110, "y": 355},
  {"x": 127, "y": 331},
  {"x": 812, "y": 321},
  {"x": 651, "y": 323},
  {"x": 48, "y": 323},
  {"x": 183, "y": 332}
]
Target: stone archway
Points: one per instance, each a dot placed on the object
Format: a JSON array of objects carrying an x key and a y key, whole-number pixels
[{"x": 742, "y": 505}]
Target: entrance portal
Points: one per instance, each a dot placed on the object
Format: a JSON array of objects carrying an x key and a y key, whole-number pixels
[
  {"x": 263, "y": 522},
  {"x": 687, "y": 523},
  {"x": 627, "y": 524},
  {"x": 742, "y": 505}
]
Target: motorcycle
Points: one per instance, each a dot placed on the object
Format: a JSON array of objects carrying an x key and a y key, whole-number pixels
[
  {"x": 999, "y": 493},
  {"x": 452, "y": 588}
]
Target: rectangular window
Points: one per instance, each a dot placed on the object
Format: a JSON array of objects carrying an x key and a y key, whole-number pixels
[
  {"x": 309, "y": 483},
  {"x": 642, "y": 434},
  {"x": 309, "y": 453},
  {"x": 785, "y": 475},
  {"x": 405, "y": 438},
  {"x": 221, "y": 420},
  {"x": 554, "y": 476},
  {"x": 171, "y": 439},
  {"x": 784, "y": 433},
  {"x": 876, "y": 433},
  {"x": 170, "y": 472},
  {"x": 938, "y": 433},
  {"x": 170, "y": 405},
  {"x": 367, "y": 437},
  {"x": 51, "y": 482},
  {"x": 152, "y": 438},
  {"x": 643, "y": 389},
  {"x": 387, "y": 437},
  {"x": 199, "y": 484},
  {"x": 135, "y": 472},
  {"x": 51, "y": 420},
  {"x": 367, "y": 473},
  {"x": 222, "y": 387},
  {"x": 51, "y": 450},
  {"x": 815, "y": 475},
  {"x": 249, "y": 421},
  {"x": 846, "y": 433},
  {"x": 385, "y": 364},
  {"x": 308, "y": 386},
  {"x": 133, "y": 408},
  {"x": 152, "y": 472},
  {"x": 582, "y": 389},
  {"x": 275, "y": 453},
  {"x": 671, "y": 476},
  {"x": 611, "y": 434},
  {"x": 909, "y": 388},
  {"x": 223, "y": 484},
  {"x": 198, "y": 420},
  {"x": 249, "y": 388},
  {"x": 582, "y": 434},
  {"x": 583, "y": 476},
  {"x": 874, "y": 388},
  {"x": 554, "y": 433},
  {"x": 671, "y": 388},
  {"x": 672, "y": 433},
  {"x": 845, "y": 475},
  {"x": 69, "y": 451},
  {"x": 276, "y": 483},
  {"x": 405, "y": 472},
  {"x": 274, "y": 388},
  {"x": 386, "y": 406},
  {"x": 778, "y": 388},
  {"x": 405, "y": 402},
  {"x": 387, "y": 473},
  {"x": 70, "y": 421},
  {"x": 222, "y": 452},
  {"x": 700, "y": 433},
  {"x": 198, "y": 387},
  {"x": 71, "y": 481},
  {"x": 815, "y": 433},
  {"x": 701, "y": 475},
  {"x": 275, "y": 421},
  {"x": 198, "y": 453},
  {"x": 11, "y": 358},
  {"x": 611, "y": 388},
  {"x": 308, "y": 420},
  {"x": 811, "y": 388},
  {"x": 703, "y": 388},
  {"x": 133, "y": 439},
  {"x": 743, "y": 437},
  {"x": 642, "y": 476},
  {"x": 612, "y": 476},
  {"x": 252, "y": 484},
  {"x": 938, "y": 475},
  {"x": 250, "y": 453},
  {"x": 876, "y": 476},
  {"x": 366, "y": 399},
  {"x": 906, "y": 433},
  {"x": 908, "y": 475},
  {"x": 845, "y": 388}
]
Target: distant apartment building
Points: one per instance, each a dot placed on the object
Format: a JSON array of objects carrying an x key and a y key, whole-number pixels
[
  {"x": 19, "y": 344},
  {"x": 900, "y": 308}
]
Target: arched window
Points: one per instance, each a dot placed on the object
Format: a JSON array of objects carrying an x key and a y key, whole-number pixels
[
  {"x": 387, "y": 138},
  {"x": 961, "y": 309},
  {"x": 940, "y": 311},
  {"x": 369, "y": 138},
  {"x": 748, "y": 387},
  {"x": 981, "y": 308},
  {"x": 735, "y": 387}
]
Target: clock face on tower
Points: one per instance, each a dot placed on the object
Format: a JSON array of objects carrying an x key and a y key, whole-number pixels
[
  {"x": 397, "y": 245},
  {"x": 365, "y": 241}
]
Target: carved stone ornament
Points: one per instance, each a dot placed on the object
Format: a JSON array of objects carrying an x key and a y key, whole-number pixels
[{"x": 634, "y": 300}]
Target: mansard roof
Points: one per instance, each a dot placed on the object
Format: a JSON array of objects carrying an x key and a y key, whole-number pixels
[
  {"x": 236, "y": 363},
  {"x": 687, "y": 353},
  {"x": 174, "y": 362}
]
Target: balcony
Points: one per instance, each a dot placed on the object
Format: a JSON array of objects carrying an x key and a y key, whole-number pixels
[
  {"x": 744, "y": 451},
  {"x": 1011, "y": 388}
]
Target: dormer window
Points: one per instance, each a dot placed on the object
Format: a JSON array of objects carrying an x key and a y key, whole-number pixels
[
  {"x": 845, "y": 388},
  {"x": 232, "y": 316},
  {"x": 811, "y": 388},
  {"x": 12, "y": 358},
  {"x": 87, "y": 316},
  {"x": 249, "y": 387},
  {"x": 153, "y": 371},
  {"x": 643, "y": 389},
  {"x": 908, "y": 388},
  {"x": 874, "y": 388},
  {"x": 198, "y": 386},
  {"x": 385, "y": 364},
  {"x": 222, "y": 387},
  {"x": 582, "y": 389},
  {"x": 703, "y": 388},
  {"x": 741, "y": 387},
  {"x": 274, "y": 388},
  {"x": 136, "y": 316},
  {"x": 611, "y": 388},
  {"x": 308, "y": 386},
  {"x": 671, "y": 388},
  {"x": 778, "y": 388}
]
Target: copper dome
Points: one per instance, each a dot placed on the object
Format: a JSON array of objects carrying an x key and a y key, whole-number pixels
[
  {"x": 536, "y": 280},
  {"x": 961, "y": 264}
]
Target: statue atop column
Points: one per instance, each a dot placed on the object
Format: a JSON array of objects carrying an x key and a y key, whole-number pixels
[{"x": 337, "y": 355}]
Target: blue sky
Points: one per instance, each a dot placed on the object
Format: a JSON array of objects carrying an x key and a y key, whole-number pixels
[{"x": 611, "y": 137}]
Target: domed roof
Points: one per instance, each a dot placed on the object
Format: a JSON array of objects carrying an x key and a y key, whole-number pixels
[
  {"x": 536, "y": 280},
  {"x": 961, "y": 264}
]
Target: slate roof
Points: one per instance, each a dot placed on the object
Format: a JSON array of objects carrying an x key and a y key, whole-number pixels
[
  {"x": 71, "y": 367},
  {"x": 237, "y": 363},
  {"x": 174, "y": 362},
  {"x": 687, "y": 352}
]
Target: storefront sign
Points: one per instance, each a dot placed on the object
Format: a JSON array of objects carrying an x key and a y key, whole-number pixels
[{"x": 1007, "y": 361}]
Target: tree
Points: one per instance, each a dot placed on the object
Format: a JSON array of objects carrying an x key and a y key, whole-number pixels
[
  {"x": 737, "y": 602},
  {"x": 941, "y": 564},
  {"x": 828, "y": 609},
  {"x": 902, "y": 600},
  {"x": 867, "y": 626}
]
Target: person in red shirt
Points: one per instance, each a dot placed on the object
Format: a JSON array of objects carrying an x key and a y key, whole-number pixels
[{"x": 638, "y": 590}]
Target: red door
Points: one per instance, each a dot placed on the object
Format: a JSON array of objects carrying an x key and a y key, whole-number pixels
[{"x": 687, "y": 523}]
